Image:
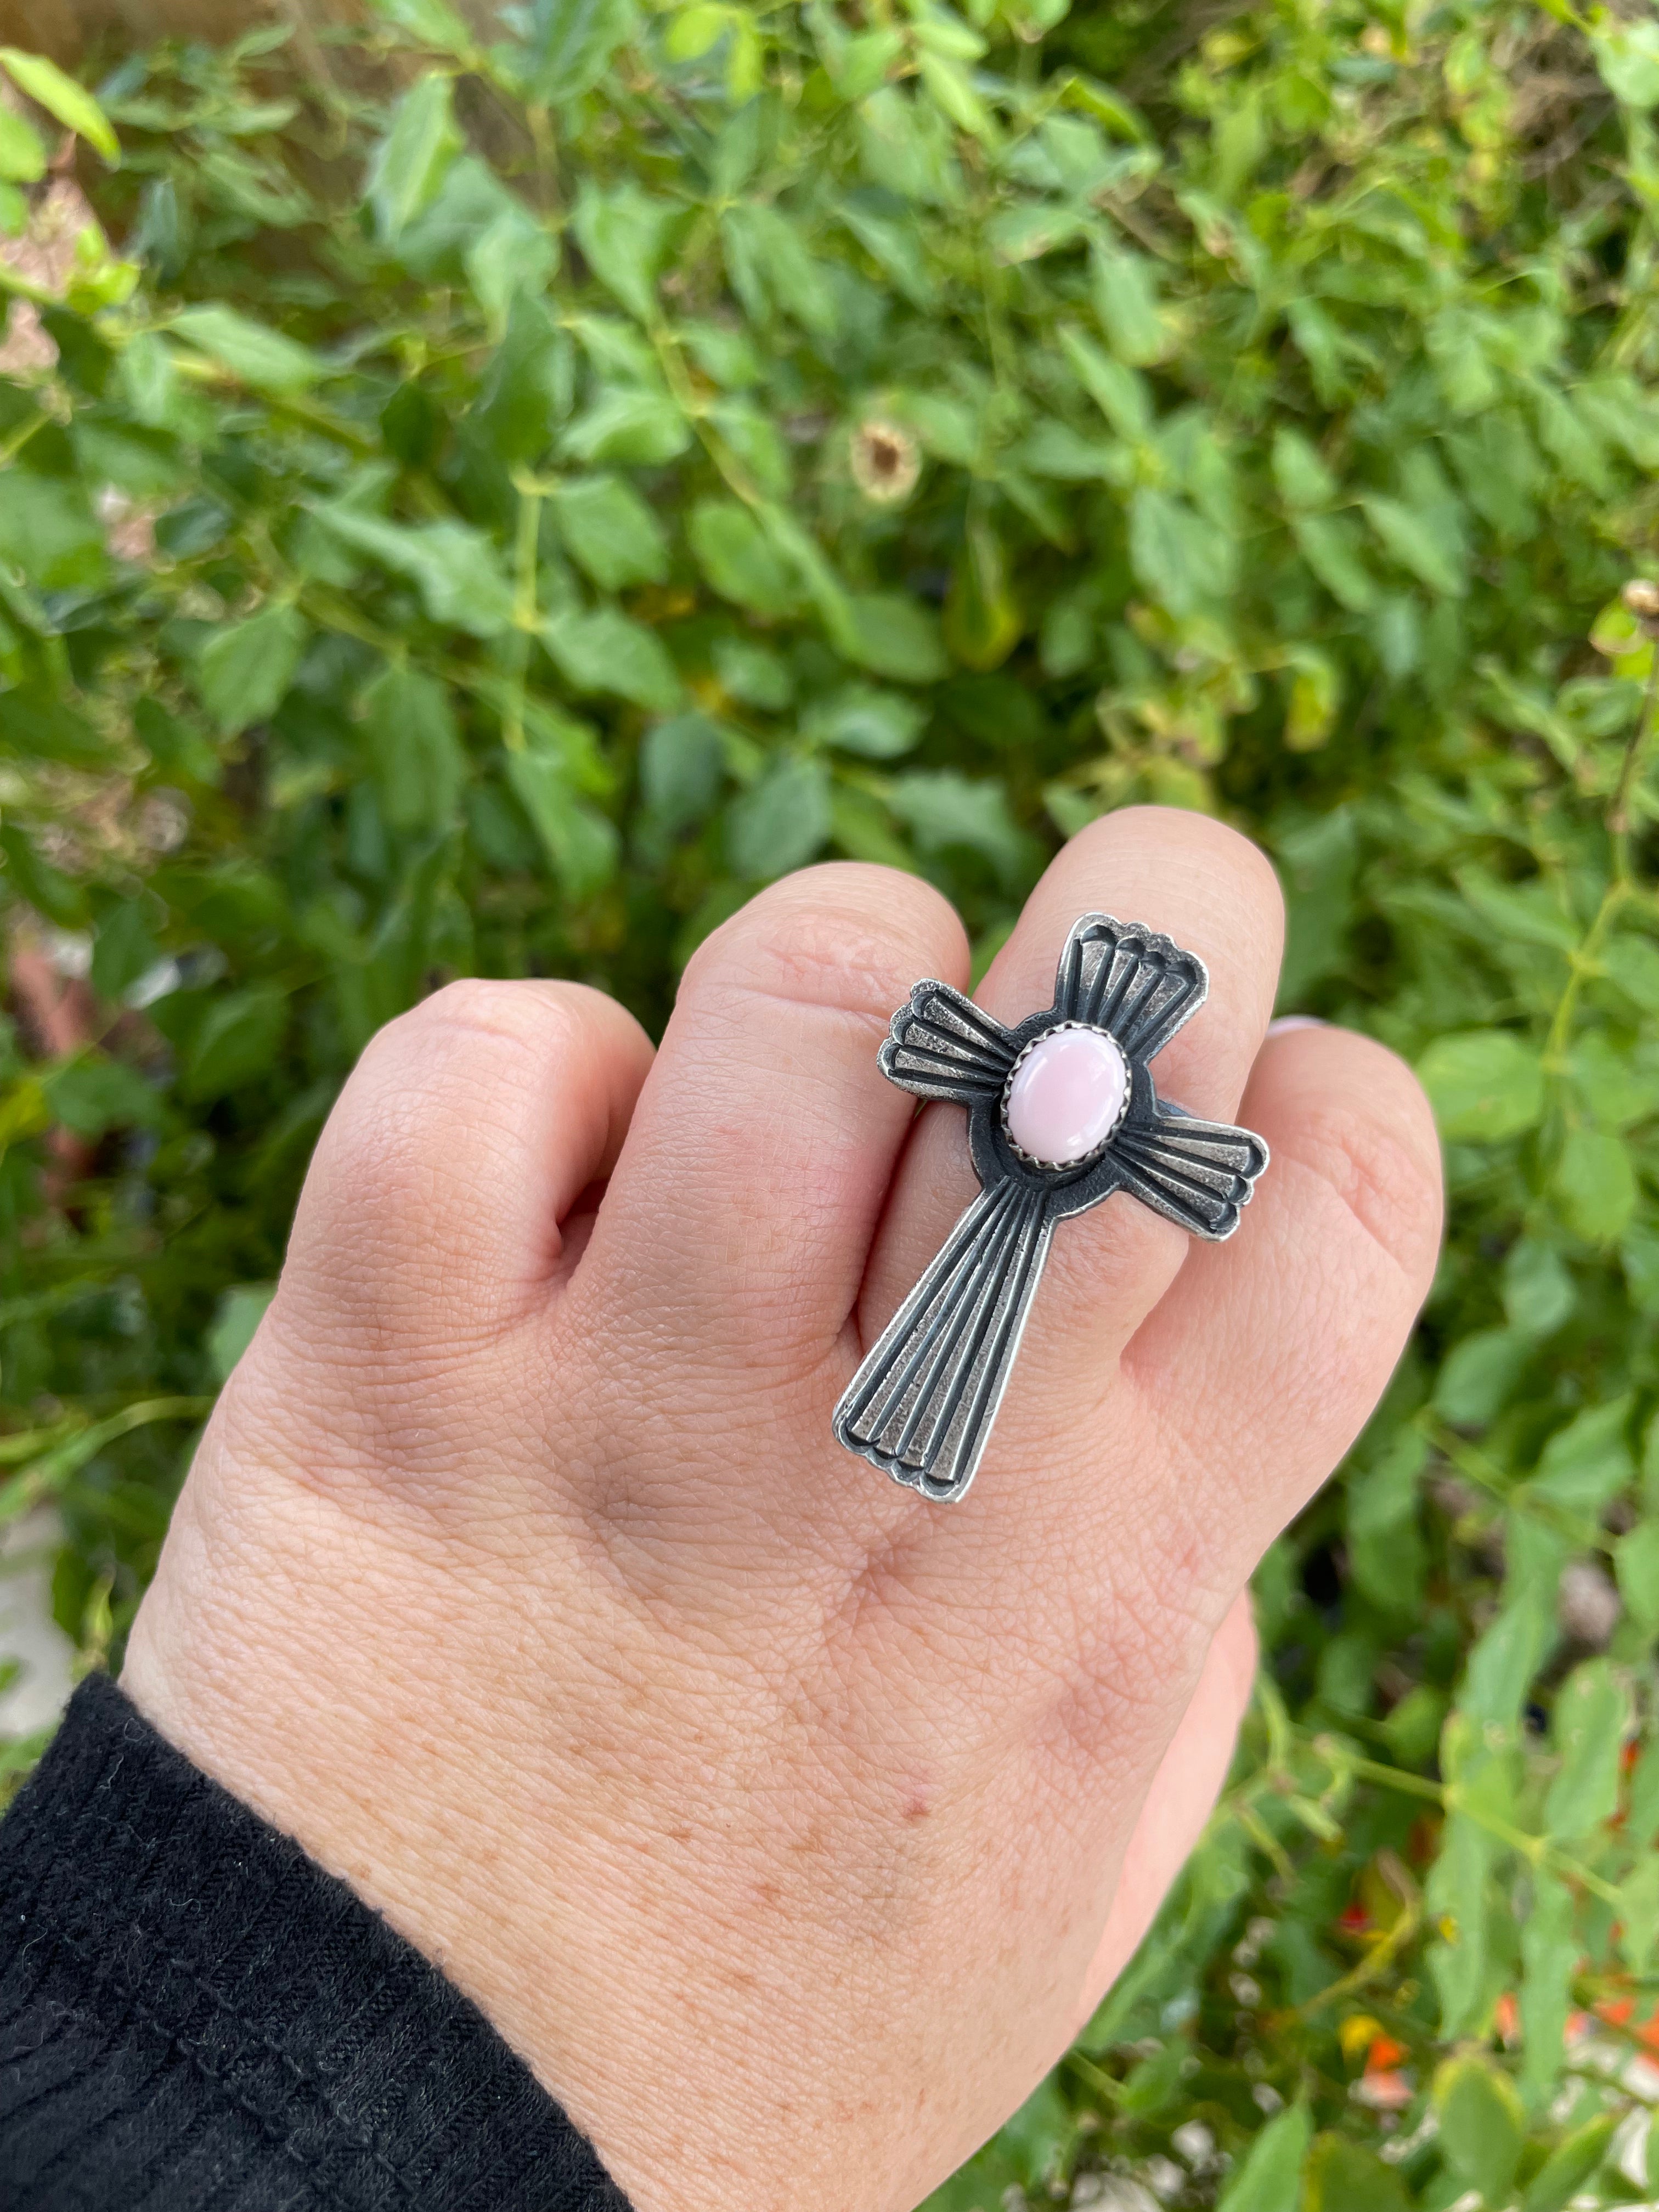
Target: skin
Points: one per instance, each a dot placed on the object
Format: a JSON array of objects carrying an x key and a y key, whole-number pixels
[{"x": 788, "y": 1824}]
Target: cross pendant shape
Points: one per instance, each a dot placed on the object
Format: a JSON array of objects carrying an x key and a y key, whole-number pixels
[{"x": 1062, "y": 1111}]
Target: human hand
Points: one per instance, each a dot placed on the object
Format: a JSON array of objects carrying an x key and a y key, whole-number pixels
[{"x": 787, "y": 1823}]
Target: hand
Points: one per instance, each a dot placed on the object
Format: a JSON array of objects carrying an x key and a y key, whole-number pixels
[{"x": 787, "y": 1823}]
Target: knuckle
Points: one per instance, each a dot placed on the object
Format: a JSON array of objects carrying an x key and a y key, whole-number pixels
[
  {"x": 1113, "y": 1700},
  {"x": 437, "y": 1092},
  {"x": 478, "y": 1008},
  {"x": 1376, "y": 1150},
  {"x": 1135, "y": 1639},
  {"x": 846, "y": 937},
  {"x": 1207, "y": 845}
]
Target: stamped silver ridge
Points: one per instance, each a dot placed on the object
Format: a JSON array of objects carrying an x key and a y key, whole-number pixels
[
  {"x": 922, "y": 1405},
  {"x": 1030, "y": 1159}
]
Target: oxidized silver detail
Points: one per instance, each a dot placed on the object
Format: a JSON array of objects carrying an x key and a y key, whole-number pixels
[
  {"x": 1083, "y": 1159},
  {"x": 922, "y": 1405}
]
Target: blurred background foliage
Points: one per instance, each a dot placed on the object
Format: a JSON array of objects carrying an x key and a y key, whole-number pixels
[{"x": 484, "y": 496}]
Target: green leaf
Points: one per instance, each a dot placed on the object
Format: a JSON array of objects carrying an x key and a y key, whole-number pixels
[
  {"x": 1570, "y": 2167},
  {"x": 1341, "y": 2177},
  {"x": 66, "y": 101},
  {"x": 236, "y": 1042},
  {"x": 1330, "y": 543},
  {"x": 263, "y": 359},
  {"x": 1627, "y": 55},
  {"x": 415, "y": 749},
  {"x": 604, "y": 651},
  {"x": 241, "y": 1308},
  {"x": 1179, "y": 557},
  {"x": 782, "y": 820},
  {"x": 738, "y": 559},
  {"x": 611, "y": 531},
  {"x": 892, "y": 636},
  {"x": 1316, "y": 698},
  {"x": 753, "y": 673},
  {"x": 895, "y": 245},
  {"x": 49, "y": 532},
  {"x": 125, "y": 951},
  {"x": 1484, "y": 1084},
  {"x": 413, "y": 159},
  {"x": 1456, "y": 1894},
  {"x": 1509, "y": 1653},
  {"x": 245, "y": 669},
  {"x": 1642, "y": 1820},
  {"x": 860, "y": 719},
  {"x": 622, "y": 233},
  {"x": 1125, "y": 293},
  {"x": 1302, "y": 476},
  {"x": 1267, "y": 2179},
  {"x": 514, "y": 254},
  {"x": 1026, "y": 232},
  {"x": 1638, "y": 1915},
  {"x": 694, "y": 30},
  {"x": 636, "y": 427},
  {"x": 572, "y": 43},
  {"x": 769, "y": 261},
  {"x": 1482, "y": 2124},
  {"x": 23, "y": 157},
  {"x": 1633, "y": 965},
  {"x": 456, "y": 567},
  {"x": 580, "y": 841},
  {"x": 1549, "y": 1954},
  {"x": 943, "y": 809},
  {"x": 1415, "y": 543},
  {"x": 1386, "y": 1553},
  {"x": 90, "y": 1094},
  {"x": 1591, "y": 1717},
  {"x": 1595, "y": 1184},
  {"x": 682, "y": 769},
  {"x": 1118, "y": 391},
  {"x": 1636, "y": 1562},
  {"x": 982, "y": 621},
  {"x": 434, "y": 23},
  {"x": 1539, "y": 1292},
  {"x": 1587, "y": 1463}
]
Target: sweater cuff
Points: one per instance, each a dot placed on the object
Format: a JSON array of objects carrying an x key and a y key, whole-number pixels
[{"x": 194, "y": 2014}]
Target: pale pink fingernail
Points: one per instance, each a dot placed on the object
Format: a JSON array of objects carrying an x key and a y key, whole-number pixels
[{"x": 1286, "y": 1023}]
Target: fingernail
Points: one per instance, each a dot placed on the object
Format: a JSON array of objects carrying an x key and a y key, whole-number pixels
[{"x": 1286, "y": 1023}]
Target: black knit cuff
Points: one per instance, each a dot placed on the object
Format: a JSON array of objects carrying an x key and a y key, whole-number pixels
[{"x": 194, "y": 2016}]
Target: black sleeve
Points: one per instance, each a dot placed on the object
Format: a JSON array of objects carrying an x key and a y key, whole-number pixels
[{"x": 194, "y": 2017}]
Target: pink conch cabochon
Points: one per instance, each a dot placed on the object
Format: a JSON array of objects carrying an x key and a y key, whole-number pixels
[{"x": 1066, "y": 1095}]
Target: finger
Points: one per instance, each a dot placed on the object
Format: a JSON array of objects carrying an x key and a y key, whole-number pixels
[
  {"x": 467, "y": 1132},
  {"x": 760, "y": 1154},
  {"x": 1214, "y": 893},
  {"x": 1180, "y": 1800},
  {"x": 1264, "y": 1361}
]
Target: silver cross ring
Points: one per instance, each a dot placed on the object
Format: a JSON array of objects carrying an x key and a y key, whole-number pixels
[{"x": 1062, "y": 1112}]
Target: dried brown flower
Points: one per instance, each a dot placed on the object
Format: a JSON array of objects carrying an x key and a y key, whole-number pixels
[
  {"x": 1641, "y": 598},
  {"x": 886, "y": 461}
]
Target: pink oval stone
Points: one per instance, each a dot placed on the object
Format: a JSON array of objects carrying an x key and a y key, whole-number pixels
[{"x": 1066, "y": 1095}]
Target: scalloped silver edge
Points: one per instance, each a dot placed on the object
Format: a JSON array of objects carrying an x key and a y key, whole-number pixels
[{"x": 1083, "y": 1159}]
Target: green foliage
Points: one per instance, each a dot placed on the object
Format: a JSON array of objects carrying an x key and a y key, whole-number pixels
[{"x": 506, "y": 500}]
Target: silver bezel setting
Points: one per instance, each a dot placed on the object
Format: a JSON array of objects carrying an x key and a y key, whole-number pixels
[{"x": 1083, "y": 1159}]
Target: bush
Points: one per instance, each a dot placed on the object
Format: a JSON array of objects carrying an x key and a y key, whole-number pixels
[{"x": 501, "y": 502}]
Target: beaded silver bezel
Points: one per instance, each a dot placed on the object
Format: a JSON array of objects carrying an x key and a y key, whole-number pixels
[{"x": 1083, "y": 1159}]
